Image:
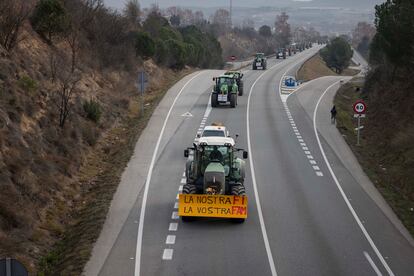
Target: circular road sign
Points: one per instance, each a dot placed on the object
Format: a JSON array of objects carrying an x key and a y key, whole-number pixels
[{"x": 360, "y": 107}]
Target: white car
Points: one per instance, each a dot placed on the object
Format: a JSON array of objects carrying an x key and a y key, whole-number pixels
[{"x": 215, "y": 131}]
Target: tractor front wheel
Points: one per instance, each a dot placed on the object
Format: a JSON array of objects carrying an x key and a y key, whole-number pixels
[
  {"x": 241, "y": 89},
  {"x": 233, "y": 100},
  {"x": 188, "y": 189},
  {"x": 214, "y": 100},
  {"x": 238, "y": 190}
]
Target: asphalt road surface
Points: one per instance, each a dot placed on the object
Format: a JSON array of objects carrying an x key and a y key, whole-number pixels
[{"x": 308, "y": 215}]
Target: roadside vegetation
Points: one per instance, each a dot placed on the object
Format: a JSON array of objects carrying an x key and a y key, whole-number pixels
[{"x": 387, "y": 149}]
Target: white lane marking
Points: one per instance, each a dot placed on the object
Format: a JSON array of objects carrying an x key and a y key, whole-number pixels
[
  {"x": 174, "y": 215},
  {"x": 256, "y": 193},
  {"x": 313, "y": 162},
  {"x": 168, "y": 253},
  {"x": 316, "y": 168},
  {"x": 319, "y": 173},
  {"x": 148, "y": 181},
  {"x": 300, "y": 140},
  {"x": 348, "y": 203},
  {"x": 309, "y": 156},
  {"x": 170, "y": 239},
  {"x": 373, "y": 265},
  {"x": 183, "y": 180},
  {"x": 307, "y": 152},
  {"x": 176, "y": 205},
  {"x": 173, "y": 226},
  {"x": 180, "y": 188},
  {"x": 183, "y": 174},
  {"x": 303, "y": 144},
  {"x": 305, "y": 148}
]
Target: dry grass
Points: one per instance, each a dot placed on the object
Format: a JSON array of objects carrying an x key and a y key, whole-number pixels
[
  {"x": 386, "y": 153},
  {"x": 99, "y": 178},
  {"x": 315, "y": 67}
]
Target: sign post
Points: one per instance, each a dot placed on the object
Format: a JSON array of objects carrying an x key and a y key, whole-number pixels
[
  {"x": 359, "y": 109},
  {"x": 142, "y": 84}
]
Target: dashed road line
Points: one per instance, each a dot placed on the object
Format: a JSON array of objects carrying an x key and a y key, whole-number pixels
[
  {"x": 167, "y": 254},
  {"x": 173, "y": 226},
  {"x": 170, "y": 239}
]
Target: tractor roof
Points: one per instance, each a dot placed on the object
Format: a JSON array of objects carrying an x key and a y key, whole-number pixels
[
  {"x": 230, "y": 76},
  {"x": 216, "y": 141}
]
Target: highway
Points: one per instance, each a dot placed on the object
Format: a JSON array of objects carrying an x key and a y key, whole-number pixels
[{"x": 308, "y": 212}]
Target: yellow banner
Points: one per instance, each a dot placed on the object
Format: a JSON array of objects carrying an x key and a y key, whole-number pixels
[{"x": 222, "y": 206}]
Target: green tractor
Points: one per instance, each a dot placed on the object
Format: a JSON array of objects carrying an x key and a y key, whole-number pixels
[
  {"x": 259, "y": 61},
  {"x": 225, "y": 91},
  {"x": 214, "y": 170},
  {"x": 238, "y": 76}
]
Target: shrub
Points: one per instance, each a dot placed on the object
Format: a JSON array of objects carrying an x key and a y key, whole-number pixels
[
  {"x": 50, "y": 18},
  {"x": 144, "y": 45},
  {"x": 27, "y": 84},
  {"x": 337, "y": 54},
  {"x": 93, "y": 110}
]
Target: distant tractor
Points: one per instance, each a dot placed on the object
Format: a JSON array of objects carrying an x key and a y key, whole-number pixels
[
  {"x": 213, "y": 171},
  {"x": 238, "y": 76},
  {"x": 259, "y": 61},
  {"x": 225, "y": 91},
  {"x": 281, "y": 53}
]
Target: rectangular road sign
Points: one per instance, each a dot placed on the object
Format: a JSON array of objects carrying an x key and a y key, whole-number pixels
[
  {"x": 359, "y": 115},
  {"x": 221, "y": 206}
]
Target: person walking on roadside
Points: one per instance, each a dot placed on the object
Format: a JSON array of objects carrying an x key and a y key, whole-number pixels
[{"x": 333, "y": 115}]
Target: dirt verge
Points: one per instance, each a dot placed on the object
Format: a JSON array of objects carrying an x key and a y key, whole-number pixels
[
  {"x": 99, "y": 177},
  {"x": 381, "y": 164}
]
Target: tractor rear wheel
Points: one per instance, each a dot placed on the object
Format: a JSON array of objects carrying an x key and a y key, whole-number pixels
[
  {"x": 238, "y": 190},
  {"x": 214, "y": 100},
  {"x": 233, "y": 100},
  {"x": 188, "y": 189},
  {"x": 241, "y": 88}
]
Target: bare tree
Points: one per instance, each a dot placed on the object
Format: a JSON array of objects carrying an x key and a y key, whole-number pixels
[
  {"x": 132, "y": 12},
  {"x": 13, "y": 13},
  {"x": 67, "y": 88},
  {"x": 221, "y": 18}
]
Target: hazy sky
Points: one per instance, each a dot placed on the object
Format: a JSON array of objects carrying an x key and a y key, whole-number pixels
[{"x": 367, "y": 4}]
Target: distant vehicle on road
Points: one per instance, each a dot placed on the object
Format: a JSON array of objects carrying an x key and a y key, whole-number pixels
[
  {"x": 215, "y": 130},
  {"x": 238, "y": 76},
  {"x": 225, "y": 91},
  {"x": 260, "y": 61}
]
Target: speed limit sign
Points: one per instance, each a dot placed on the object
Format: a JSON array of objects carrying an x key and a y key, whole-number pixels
[{"x": 360, "y": 107}]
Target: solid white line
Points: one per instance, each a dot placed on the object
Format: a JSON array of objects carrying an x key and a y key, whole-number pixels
[
  {"x": 256, "y": 193},
  {"x": 170, "y": 239},
  {"x": 168, "y": 254},
  {"x": 354, "y": 214},
  {"x": 371, "y": 262},
  {"x": 148, "y": 181},
  {"x": 173, "y": 226}
]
